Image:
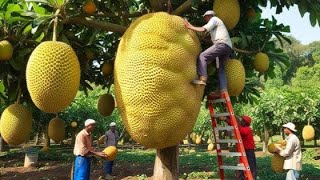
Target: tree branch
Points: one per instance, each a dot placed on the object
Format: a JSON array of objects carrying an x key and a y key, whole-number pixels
[
  {"x": 157, "y": 5},
  {"x": 97, "y": 24},
  {"x": 182, "y": 8}
]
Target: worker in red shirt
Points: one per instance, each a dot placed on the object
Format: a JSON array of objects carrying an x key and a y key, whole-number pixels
[{"x": 248, "y": 143}]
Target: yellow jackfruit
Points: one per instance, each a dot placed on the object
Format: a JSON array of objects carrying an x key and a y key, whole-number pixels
[
  {"x": 16, "y": 124},
  {"x": 56, "y": 129},
  {"x": 210, "y": 147},
  {"x": 106, "y": 68},
  {"x": 101, "y": 139},
  {"x": 236, "y": 77},
  {"x": 53, "y": 76},
  {"x": 106, "y": 104},
  {"x": 272, "y": 148},
  {"x": 44, "y": 149},
  {"x": 228, "y": 11},
  {"x": 261, "y": 62},
  {"x": 308, "y": 133},
  {"x": 111, "y": 152},
  {"x": 89, "y": 7},
  {"x": 277, "y": 163},
  {"x": 154, "y": 67},
  {"x": 6, "y": 50},
  {"x": 74, "y": 124},
  {"x": 198, "y": 140}
]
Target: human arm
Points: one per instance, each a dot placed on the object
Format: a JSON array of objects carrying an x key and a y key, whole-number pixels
[
  {"x": 100, "y": 154},
  {"x": 190, "y": 26},
  {"x": 288, "y": 150}
]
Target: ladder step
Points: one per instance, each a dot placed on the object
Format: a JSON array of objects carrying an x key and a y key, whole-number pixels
[
  {"x": 225, "y": 128},
  {"x": 221, "y": 115},
  {"x": 227, "y": 141},
  {"x": 217, "y": 101},
  {"x": 229, "y": 154},
  {"x": 239, "y": 167}
]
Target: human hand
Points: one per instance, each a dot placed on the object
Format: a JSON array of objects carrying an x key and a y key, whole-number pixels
[
  {"x": 186, "y": 23},
  {"x": 101, "y": 154}
]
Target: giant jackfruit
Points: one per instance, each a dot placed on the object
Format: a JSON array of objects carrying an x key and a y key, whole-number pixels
[{"x": 154, "y": 67}]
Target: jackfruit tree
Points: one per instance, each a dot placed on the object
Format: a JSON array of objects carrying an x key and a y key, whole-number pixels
[{"x": 95, "y": 30}]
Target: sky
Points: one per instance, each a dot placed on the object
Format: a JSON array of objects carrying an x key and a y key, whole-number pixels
[{"x": 300, "y": 27}]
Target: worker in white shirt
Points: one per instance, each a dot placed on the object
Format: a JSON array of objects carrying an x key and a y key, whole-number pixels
[{"x": 292, "y": 152}]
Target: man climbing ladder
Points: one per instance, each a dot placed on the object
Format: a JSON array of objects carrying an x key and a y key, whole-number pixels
[{"x": 221, "y": 49}]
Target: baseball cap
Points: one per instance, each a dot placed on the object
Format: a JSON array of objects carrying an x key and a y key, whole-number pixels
[
  {"x": 89, "y": 121},
  {"x": 112, "y": 124},
  {"x": 290, "y": 126},
  {"x": 247, "y": 119},
  {"x": 209, "y": 13}
]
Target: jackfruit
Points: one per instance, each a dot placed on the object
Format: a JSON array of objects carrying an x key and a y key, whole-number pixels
[
  {"x": 16, "y": 124},
  {"x": 6, "y": 50},
  {"x": 89, "y": 54},
  {"x": 74, "y": 124},
  {"x": 101, "y": 139},
  {"x": 236, "y": 77},
  {"x": 56, "y": 129},
  {"x": 228, "y": 11},
  {"x": 111, "y": 152},
  {"x": 308, "y": 133},
  {"x": 44, "y": 149},
  {"x": 106, "y": 104},
  {"x": 53, "y": 76},
  {"x": 198, "y": 140},
  {"x": 154, "y": 67},
  {"x": 210, "y": 147},
  {"x": 106, "y": 68},
  {"x": 261, "y": 62},
  {"x": 277, "y": 163},
  {"x": 272, "y": 148},
  {"x": 89, "y": 7}
]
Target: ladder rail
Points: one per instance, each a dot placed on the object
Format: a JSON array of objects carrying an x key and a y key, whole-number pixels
[
  {"x": 240, "y": 147},
  {"x": 216, "y": 136},
  {"x": 236, "y": 133}
]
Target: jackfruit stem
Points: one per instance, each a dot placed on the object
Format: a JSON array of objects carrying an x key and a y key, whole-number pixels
[
  {"x": 19, "y": 91},
  {"x": 55, "y": 25}
]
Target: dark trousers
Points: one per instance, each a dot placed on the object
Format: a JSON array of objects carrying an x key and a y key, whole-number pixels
[
  {"x": 108, "y": 167},
  {"x": 252, "y": 164},
  {"x": 208, "y": 56}
]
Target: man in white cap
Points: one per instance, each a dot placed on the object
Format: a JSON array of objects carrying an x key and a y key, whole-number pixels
[
  {"x": 83, "y": 151},
  {"x": 111, "y": 139},
  {"x": 292, "y": 152},
  {"x": 221, "y": 48}
]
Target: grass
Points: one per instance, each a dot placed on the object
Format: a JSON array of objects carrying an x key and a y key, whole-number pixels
[{"x": 194, "y": 164}]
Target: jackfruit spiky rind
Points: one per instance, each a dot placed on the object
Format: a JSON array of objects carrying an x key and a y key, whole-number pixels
[
  {"x": 16, "y": 124},
  {"x": 155, "y": 63},
  {"x": 53, "y": 76}
]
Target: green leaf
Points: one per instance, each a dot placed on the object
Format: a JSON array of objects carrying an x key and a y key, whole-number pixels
[
  {"x": 47, "y": 2},
  {"x": 39, "y": 39},
  {"x": 2, "y": 88},
  {"x": 12, "y": 8},
  {"x": 38, "y": 10},
  {"x": 17, "y": 19},
  {"x": 313, "y": 19}
]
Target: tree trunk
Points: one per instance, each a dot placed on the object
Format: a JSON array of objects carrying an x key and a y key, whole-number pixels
[
  {"x": 3, "y": 145},
  {"x": 73, "y": 136},
  {"x": 265, "y": 139},
  {"x": 46, "y": 137},
  {"x": 166, "y": 164}
]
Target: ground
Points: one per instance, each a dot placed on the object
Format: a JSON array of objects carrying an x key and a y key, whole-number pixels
[{"x": 130, "y": 164}]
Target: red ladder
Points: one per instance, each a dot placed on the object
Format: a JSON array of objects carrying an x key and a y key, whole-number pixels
[{"x": 243, "y": 161}]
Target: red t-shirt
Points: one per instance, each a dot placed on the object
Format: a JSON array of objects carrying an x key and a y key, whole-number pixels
[{"x": 247, "y": 137}]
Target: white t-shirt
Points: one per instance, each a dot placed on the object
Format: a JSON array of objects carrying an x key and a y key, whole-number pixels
[{"x": 218, "y": 31}]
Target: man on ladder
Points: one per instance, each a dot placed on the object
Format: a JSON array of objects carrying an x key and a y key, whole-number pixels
[{"x": 221, "y": 49}]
